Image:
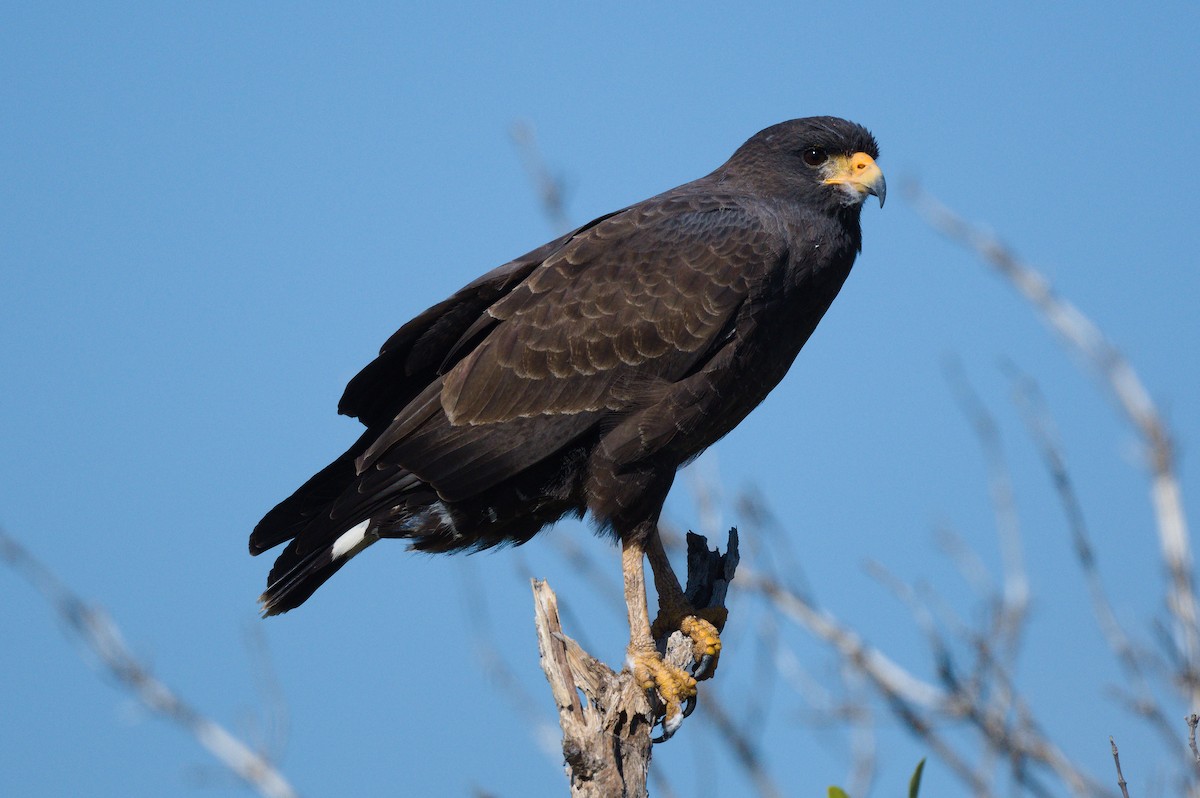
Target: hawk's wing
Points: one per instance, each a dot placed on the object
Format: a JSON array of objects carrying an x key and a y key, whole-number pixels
[
  {"x": 413, "y": 357},
  {"x": 606, "y": 324}
]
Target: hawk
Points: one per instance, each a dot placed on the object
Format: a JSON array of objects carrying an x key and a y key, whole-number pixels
[{"x": 576, "y": 379}]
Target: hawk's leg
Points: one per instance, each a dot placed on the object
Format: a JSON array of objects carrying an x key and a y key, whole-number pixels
[
  {"x": 675, "y": 686},
  {"x": 676, "y": 612}
]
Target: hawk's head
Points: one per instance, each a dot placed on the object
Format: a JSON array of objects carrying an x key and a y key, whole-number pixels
[{"x": 823, "y": 161}]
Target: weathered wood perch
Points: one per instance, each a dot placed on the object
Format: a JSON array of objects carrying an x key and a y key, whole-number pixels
[{"x": 607, "y": 733}]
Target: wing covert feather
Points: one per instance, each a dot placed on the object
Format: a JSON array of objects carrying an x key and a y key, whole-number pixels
[
  {"x": 606, "y": 323},
  {"x": 639, "y": 298}
]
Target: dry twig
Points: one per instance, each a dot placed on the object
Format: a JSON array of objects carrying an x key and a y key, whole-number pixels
[
  {"x": 1040, "y": 426},
  {"x": 924, "y": 707},
  {"x": 1192, "y": 721},
  {"x": 1117, "y": 762},
  {"x": 97, "y": 630},
  {"x": 1131, "y": 396},
  {"x": 549, "y": 186}
]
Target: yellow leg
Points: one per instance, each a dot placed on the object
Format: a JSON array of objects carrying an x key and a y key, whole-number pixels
[{"x": 674, "y": 685}]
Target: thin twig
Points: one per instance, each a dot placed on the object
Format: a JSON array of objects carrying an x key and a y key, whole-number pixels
[
  {"x": 1117, "y": 762},
  {"x": 1014, "y": 598},
  {"x": 908, "y": 696},
  {"x": 919, "y": 704},
  {"x": 863, "y": 744},
  {"x": 965, "y": 559},
  {"x": 1192, "y": 721},
  {"x": 1040, "y": 425},
  {"x": 99, "y": 633},
  {"x": 549, "y": 187},
  {"x": 1131, "y": 396}
]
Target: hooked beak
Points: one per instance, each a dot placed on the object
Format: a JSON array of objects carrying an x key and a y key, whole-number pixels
[{"x": 858, "y": 174}]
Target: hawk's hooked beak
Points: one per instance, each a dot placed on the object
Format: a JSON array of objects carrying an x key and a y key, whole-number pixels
[{"x": 858, "y": 174}]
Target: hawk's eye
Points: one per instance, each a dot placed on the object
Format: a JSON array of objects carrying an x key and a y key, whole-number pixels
[{"x": 814, "y": 156}]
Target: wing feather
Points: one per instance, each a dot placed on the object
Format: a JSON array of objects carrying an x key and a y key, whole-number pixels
[
  {"x": 642, "y": 295},
  {"x": 610, "y": 317},
  {"x": 423, "y": 349}
]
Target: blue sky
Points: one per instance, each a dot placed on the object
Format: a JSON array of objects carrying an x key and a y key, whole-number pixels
[{"x": 211, "y": 216}]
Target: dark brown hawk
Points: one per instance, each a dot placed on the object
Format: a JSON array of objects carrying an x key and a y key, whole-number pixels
[{"x": 578, "y": 378}]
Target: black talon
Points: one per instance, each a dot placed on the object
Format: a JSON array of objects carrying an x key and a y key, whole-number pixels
[
  {"x": 703, "y": 667},
  {"x": 689, "y": 706},
  {"x": 666, "y": 735}
]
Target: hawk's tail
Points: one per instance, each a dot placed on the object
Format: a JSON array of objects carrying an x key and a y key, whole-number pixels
[
  {"x": 296, "y": 575},
  {"x": 292, "y": 516},
  {"x": 318, "y": 545},
  {"x": 335, "y": 515}
]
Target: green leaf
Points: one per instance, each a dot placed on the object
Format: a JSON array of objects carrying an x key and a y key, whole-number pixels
[
  {"x": 837, "y": 792},
  {"x": 914, "y": 785}
]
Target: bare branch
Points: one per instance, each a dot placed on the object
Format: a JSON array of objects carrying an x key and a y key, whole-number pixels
[
  {"x": 921, "y": 705},
  {"x": 1131, "y": 396},
  {"x": 1040, "y": 426},
  {"x": 1117, "y": 762},
  {"x": 100, "y": 634},
  {"x": 862, "y": 738},
  {"x": 890, "y": 675}
]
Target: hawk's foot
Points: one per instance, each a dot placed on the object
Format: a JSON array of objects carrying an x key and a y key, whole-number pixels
[
  {"x": 676, "y": 688},
  {"x": 703, "y": 627}
]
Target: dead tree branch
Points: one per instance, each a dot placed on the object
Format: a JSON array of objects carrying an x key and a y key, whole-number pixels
[{"x": 606, "y": 718}]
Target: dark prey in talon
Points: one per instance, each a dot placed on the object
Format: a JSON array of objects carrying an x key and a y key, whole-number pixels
[{"x": 577, "y": 378}]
